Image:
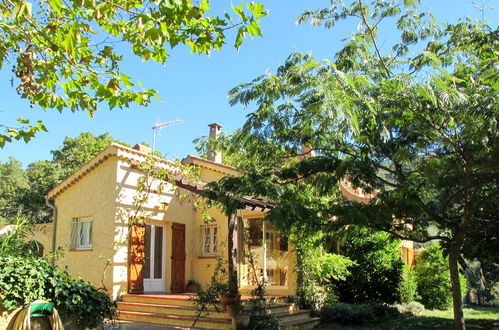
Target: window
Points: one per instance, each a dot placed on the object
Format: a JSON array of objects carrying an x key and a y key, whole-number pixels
[
  {"x": 209, "y": 240},
  {"x": 81, "y": 233}
]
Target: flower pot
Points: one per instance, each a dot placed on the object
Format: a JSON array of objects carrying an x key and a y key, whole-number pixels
[
  {"x": 231, "y": 303},
  {"x": 230, "y": 299}
]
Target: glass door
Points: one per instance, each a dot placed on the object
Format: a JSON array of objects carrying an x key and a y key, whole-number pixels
[
  {"x": 154, "y": 260},
  {"x": 266, "y": 257}
]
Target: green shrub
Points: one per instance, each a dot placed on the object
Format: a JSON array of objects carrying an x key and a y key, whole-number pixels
[
  {"x": 263, "y": 321},
  {"x": 23, "y": 280},
  {"x": 317, "y": 269},
  {"x": 408, "y": 286},
  {"x": 433, "y": 279},
  {"x": 378, "y": 268},
  {"x": 413, "y": 307},
  {"x": 356, "y": 314}
]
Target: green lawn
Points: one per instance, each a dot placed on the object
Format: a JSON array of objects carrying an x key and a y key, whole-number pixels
[{"x": 476, "y": 318}]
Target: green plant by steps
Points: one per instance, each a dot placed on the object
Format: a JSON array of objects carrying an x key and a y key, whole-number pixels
[
  {"x": 25, "y": 279},
  {"x": 210, "y": 297}
]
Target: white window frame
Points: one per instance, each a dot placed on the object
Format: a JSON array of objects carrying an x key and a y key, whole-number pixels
[
  {"x": 209, "y": 240},
  {"x": 81, "y": 233}
]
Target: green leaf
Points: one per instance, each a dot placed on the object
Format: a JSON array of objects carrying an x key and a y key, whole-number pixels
[
  {"x": 257, "y": 10},
  {"x": 240, "y": 35}
]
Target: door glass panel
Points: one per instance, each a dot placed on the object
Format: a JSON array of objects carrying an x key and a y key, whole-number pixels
[
  {"x": 158, "y": 252},
  {"x": 264, "y": 244},
  {"x": 147, "y": 252}
]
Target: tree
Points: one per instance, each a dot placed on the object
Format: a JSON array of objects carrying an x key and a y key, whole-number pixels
[
  {"x": 43, "y": 176},
  {"x": 23, "y": 192},
  {"x": 14, "y": 182},
  {"x": 76, "y": 151},
  {"x": 414, "y": 127},
  {"x": 63, "y": 55}
]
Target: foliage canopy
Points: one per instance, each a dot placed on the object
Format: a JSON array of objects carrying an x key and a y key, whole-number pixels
[
  {"x": 414, "y": 127},
  {"x": 65, "y": 54}
]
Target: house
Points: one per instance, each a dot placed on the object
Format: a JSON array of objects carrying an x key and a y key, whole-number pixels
[{"x": 96, "y": 205}]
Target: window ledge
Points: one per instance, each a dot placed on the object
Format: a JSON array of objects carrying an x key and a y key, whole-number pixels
[
  {"x": 81, "y": 250},
  {"x": 207, "y": 257}
]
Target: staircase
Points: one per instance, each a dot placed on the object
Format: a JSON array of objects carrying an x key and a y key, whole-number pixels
[{"x": 178, "y": 311}]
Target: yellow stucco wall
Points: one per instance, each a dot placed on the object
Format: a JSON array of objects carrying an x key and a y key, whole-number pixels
[
  {"x": 92, "y": 196},
  {"x": 42, "y": 233}
]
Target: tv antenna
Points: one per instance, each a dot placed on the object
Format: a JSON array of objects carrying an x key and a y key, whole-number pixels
[{"x": 159, "y": 126}]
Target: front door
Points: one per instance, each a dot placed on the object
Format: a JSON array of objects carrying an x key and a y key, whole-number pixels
[
  {"x": 178, "y": 258},
  {"x": 154, "y": 258}
]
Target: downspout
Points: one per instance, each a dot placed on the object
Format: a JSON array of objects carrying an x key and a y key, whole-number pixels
[{"x": 54, "y": 229}]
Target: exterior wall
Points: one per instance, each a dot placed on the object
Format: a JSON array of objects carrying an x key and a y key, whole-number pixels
[
  {"x": 162, "y": 208},
  {"x": 203, "y": 266},
  {"x": 92, "y": 196},
  {"x": 42, "y": 233}
]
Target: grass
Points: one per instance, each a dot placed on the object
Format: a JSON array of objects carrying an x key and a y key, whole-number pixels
[{"x": 477, "y": 318}]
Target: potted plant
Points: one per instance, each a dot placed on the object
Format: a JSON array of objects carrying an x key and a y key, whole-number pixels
[
  {"x": 231, "y": 299},
  {"x": 192, "y": 286}
]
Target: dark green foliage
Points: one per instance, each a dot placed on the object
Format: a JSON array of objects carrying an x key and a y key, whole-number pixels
[
  {"x": 480, "y": 291},
  {"x": 357, "y": 314},
  {"x": 433, "y": 279},
  {"x": 23, "y": 280},
  {"x": 408, "y": 286},
  {"x": 259, "y": 316},
  {"x": 377, "y": 273}
]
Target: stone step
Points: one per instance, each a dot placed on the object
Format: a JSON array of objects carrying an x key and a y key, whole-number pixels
[
  {"x": 293, "y": 316},
  {"x": 156, "y": 299},
  {"x": 169, "y": 309},
  {"x": 174, "y": 320},
  {"x": 308, "y": 323},
  {"x": 276, "y": 308}
]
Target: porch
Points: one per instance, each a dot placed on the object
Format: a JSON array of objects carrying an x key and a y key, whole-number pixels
[{"x": 178, "y": 310}]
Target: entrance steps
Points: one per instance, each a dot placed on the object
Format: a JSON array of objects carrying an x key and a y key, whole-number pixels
[{"x": 178, "y": 310}]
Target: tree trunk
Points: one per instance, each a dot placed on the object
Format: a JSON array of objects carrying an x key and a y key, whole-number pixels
[
  {"x": 232, "y": 240},
  {"x": 456, "y": 289}
]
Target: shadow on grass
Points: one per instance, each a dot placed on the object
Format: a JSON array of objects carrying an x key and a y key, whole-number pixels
[{"x": 443, "y": 321}]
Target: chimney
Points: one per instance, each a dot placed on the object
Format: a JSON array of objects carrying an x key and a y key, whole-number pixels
[
  {"x": 214, "y": 155},
  {"x": 142, "y": 148}
]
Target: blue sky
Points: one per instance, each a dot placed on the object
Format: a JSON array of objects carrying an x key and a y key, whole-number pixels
[{"x": 194, "y": 87}]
